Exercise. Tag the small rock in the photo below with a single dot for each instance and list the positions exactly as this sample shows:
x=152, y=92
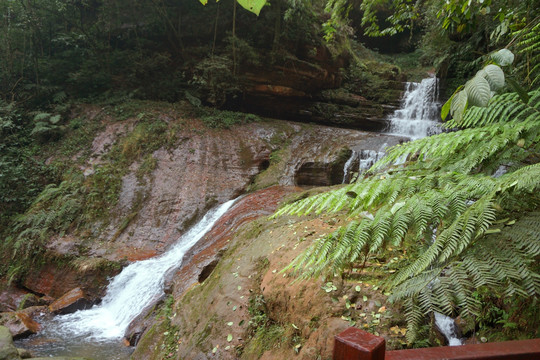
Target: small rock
x=29, y=300
x=70, y=302
x=24, y=354
x=370, y=306
x=30, y=324
x=13, y=298
x=46, y=300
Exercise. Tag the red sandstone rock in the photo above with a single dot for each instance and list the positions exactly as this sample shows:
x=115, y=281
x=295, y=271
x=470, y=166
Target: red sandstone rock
x=70, y=302
x=32, y=325
x=13, y=298
x=19, y=324
x=202, y=258
x=45, y=281
x=53, y=282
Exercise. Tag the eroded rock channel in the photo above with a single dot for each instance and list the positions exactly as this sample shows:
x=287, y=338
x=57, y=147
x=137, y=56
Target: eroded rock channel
x=161, y=195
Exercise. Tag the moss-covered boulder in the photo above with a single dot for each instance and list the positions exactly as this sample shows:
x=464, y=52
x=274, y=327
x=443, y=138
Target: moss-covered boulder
x=8, y=351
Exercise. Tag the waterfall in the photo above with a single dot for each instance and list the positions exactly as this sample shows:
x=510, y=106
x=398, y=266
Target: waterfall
x=362, y=160
x=447, y=327
x=419, y=112
x=368, y=158
x=136, y=287
x=348, y=167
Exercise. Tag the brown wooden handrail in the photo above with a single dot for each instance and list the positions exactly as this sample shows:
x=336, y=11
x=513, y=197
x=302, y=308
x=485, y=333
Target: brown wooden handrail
x=356, y=344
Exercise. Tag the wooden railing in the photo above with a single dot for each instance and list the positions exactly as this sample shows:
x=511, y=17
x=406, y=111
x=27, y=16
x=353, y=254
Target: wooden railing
x=356, y=344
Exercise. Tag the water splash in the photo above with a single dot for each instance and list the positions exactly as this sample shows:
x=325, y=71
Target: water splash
x=361, y=161
x=447, y=327
x=348, y=167
x=419, y=112
x=131, y=291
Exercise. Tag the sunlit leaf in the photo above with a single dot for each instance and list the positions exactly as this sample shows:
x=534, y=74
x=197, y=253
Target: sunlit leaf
x=254, y=6
x=494, y=75
x=478, y=91
x=503, y=57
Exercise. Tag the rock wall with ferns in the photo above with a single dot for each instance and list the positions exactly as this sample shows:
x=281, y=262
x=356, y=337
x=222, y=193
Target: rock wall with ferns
x=463, y=206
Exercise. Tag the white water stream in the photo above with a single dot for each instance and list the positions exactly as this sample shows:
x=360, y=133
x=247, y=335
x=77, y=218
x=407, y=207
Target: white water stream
x=447, y=327
x=419, y=112
x=360, y=161
x=136, y=287
x=416, y=119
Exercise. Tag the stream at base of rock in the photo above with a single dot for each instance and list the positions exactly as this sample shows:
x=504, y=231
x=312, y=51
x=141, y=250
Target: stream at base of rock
x=47, y=345
x=97, y=332
x=100, y=330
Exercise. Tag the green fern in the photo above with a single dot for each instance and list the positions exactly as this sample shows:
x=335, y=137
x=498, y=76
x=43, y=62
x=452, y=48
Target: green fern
x=501, y=261
x=501, y=133
x=437, y=198
x=53, y=211
x=528, y=48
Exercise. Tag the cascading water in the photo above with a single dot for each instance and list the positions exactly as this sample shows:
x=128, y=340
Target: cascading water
x=417, y=117
x=368, y=158
x=348, y=167
x=362, y=160
x=447, y=327
x=131, y=291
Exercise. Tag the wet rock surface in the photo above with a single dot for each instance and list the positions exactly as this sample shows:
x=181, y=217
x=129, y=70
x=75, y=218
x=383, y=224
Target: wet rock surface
x=143, y=321
x=245, y=279
x=202, y=259
x=20, y=324
x=205, y=167
x=13, y=298
x=70, y=302
x=54, y=281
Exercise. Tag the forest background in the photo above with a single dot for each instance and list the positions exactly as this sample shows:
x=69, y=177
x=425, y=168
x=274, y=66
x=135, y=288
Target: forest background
x=55, y=54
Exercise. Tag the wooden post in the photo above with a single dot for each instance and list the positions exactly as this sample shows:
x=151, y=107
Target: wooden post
x=356, y=344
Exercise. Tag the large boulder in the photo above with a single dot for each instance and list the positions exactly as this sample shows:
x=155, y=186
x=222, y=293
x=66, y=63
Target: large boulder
x=8, y=351
x=51, y=280
x=70, y=302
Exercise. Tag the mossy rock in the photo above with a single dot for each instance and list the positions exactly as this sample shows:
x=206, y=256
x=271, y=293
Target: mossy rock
x=8, y=351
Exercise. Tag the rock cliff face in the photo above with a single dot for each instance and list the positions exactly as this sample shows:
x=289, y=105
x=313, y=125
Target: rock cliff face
x=195, y=169
x=310, y=92
x=205, y=167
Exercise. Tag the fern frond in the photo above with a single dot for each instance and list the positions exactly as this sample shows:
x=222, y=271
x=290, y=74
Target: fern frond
x=528, y=49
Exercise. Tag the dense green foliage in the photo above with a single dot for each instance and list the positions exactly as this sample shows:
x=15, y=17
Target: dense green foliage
x=466, y=229
x=463, y=205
